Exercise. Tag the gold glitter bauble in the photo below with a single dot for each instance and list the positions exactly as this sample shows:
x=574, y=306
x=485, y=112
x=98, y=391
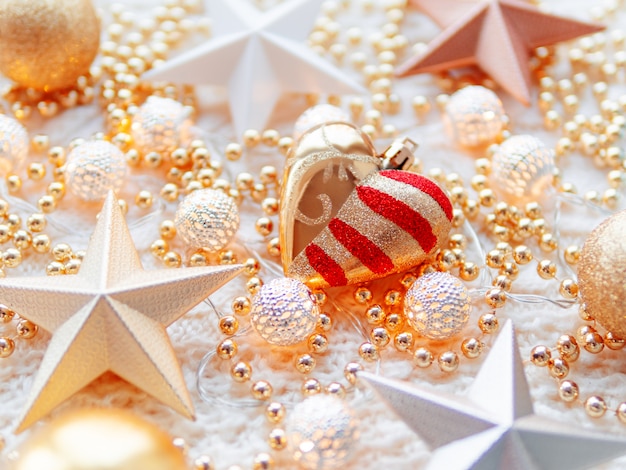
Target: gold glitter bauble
x=99, y=439
x=602, y=274
x=47, y=44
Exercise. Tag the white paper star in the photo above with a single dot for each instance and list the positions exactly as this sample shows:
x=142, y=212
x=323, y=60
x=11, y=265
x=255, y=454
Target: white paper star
x=258, y=57
x=111, y=316
x=494, y=427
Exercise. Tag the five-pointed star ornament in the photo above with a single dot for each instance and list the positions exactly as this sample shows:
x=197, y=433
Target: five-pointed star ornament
x=111, y=316
x=258, y=57
x=496, y=35
x=494, y=427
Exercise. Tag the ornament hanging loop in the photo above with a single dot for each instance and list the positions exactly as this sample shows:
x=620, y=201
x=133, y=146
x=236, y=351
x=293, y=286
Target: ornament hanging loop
x=399, y=155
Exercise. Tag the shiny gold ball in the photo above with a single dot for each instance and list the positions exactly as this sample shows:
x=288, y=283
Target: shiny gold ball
x=47, y=44
x=601, y=274
x=99, y=439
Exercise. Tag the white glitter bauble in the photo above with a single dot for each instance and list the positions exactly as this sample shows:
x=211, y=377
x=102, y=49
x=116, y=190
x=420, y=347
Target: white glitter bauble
x=160, y=125
x=437, y=305
x=523, y=166
x=284, y=312
x=474, y=116
x=94, y=168
x=13, y=144
x=317, y=115
x=207, y=218
x=321, y=432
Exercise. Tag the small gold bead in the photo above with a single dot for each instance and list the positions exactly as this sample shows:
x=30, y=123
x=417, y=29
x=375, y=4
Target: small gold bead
x=363, y=295
x=47, y=203
x=270, y=206
x=199, y=258
x=468, y=271
x=488, y=323
x=318, y=343
x=568, y=348
x=241, y=371
x=368, y=352
x=253, y=285
x=403, y=341
x=264, y=226
x=595, y=407
x=251, y=138
x=26, y=329
x=277, y=439
x=159, y=247
x=36, y=171
x=167, y=229
x=335, y=388
x=380, y=337
x=144, y=199
x=305, y=363
x=583, y=331
x=324, y=322
x=6, y=314
x=227, y=257
x=568, y=391
x=72, y=266
x=273, y=247
x=546, y=269
x=593, y=342
x=261, y=390
x=448, y=361
x=394, y=321
x=351, y=370
x=612, y=342
x=55, y=268
x=540, y=356
x=422, y=357
x=558, y=367
x=569, y=288
x=572, y=254
x=241, y=305
x=471, y=348
x=233, y=151
x=263, y=461
x=275, y=412
x=21, y=239
x=171, y=259
x=41, y=243
x=228, y=325
x=311, y=387
x=56, y=189
x=227, y=349
x=495, y=297
x=7, y=346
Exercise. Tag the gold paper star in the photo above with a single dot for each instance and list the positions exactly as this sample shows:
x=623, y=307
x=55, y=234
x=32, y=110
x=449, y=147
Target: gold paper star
x=496, y=35
x=494, y=427
x=111, y=316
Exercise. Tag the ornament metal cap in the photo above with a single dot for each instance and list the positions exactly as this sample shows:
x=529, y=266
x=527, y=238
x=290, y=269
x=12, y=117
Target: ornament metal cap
x=400, y=155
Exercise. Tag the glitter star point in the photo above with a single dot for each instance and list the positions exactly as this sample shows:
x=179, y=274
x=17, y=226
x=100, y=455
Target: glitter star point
x=494, y=427
x=496, y=35
x=111, y=316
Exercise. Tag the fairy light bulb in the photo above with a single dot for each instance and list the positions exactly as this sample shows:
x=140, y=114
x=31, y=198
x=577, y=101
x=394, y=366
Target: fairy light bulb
x=321, y=432
x=437, y=305
x=523, y=166
x=474, y=116
x=207, y=218
x=284, y=312
x=94, y=168
x=13, y=144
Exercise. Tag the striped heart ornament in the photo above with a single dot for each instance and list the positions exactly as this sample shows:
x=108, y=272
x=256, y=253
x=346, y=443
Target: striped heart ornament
x=393, y=221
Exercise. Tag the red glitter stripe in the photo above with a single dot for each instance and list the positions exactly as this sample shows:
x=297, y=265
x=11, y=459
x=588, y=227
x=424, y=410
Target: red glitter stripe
x=400, y=214
x=325, y=265
x=360, y=246
x=423, y=184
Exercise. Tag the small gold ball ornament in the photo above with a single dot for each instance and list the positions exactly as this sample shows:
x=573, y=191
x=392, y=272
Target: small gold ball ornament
x=100, y=439
x=601, y=274
x=47, y=44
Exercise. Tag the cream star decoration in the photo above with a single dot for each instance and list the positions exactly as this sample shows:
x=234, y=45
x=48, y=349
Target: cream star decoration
x=494, y=427
x=111, y=316
x=496, y=35
x=258, y=57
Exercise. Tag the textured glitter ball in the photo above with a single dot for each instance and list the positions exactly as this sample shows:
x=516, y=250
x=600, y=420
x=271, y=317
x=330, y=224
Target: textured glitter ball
x=284, y=312
x=207, y=218
x=94, y=168
x=317, y=115
x=13, y=144
x=523, y=166
x=437, y=305
x=321, y=432
x=474, y=116
x=160, y=125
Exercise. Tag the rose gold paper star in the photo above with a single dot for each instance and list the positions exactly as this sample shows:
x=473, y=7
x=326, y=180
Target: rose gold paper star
x=111, y=316
x=496, y=35
x=494, y=427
